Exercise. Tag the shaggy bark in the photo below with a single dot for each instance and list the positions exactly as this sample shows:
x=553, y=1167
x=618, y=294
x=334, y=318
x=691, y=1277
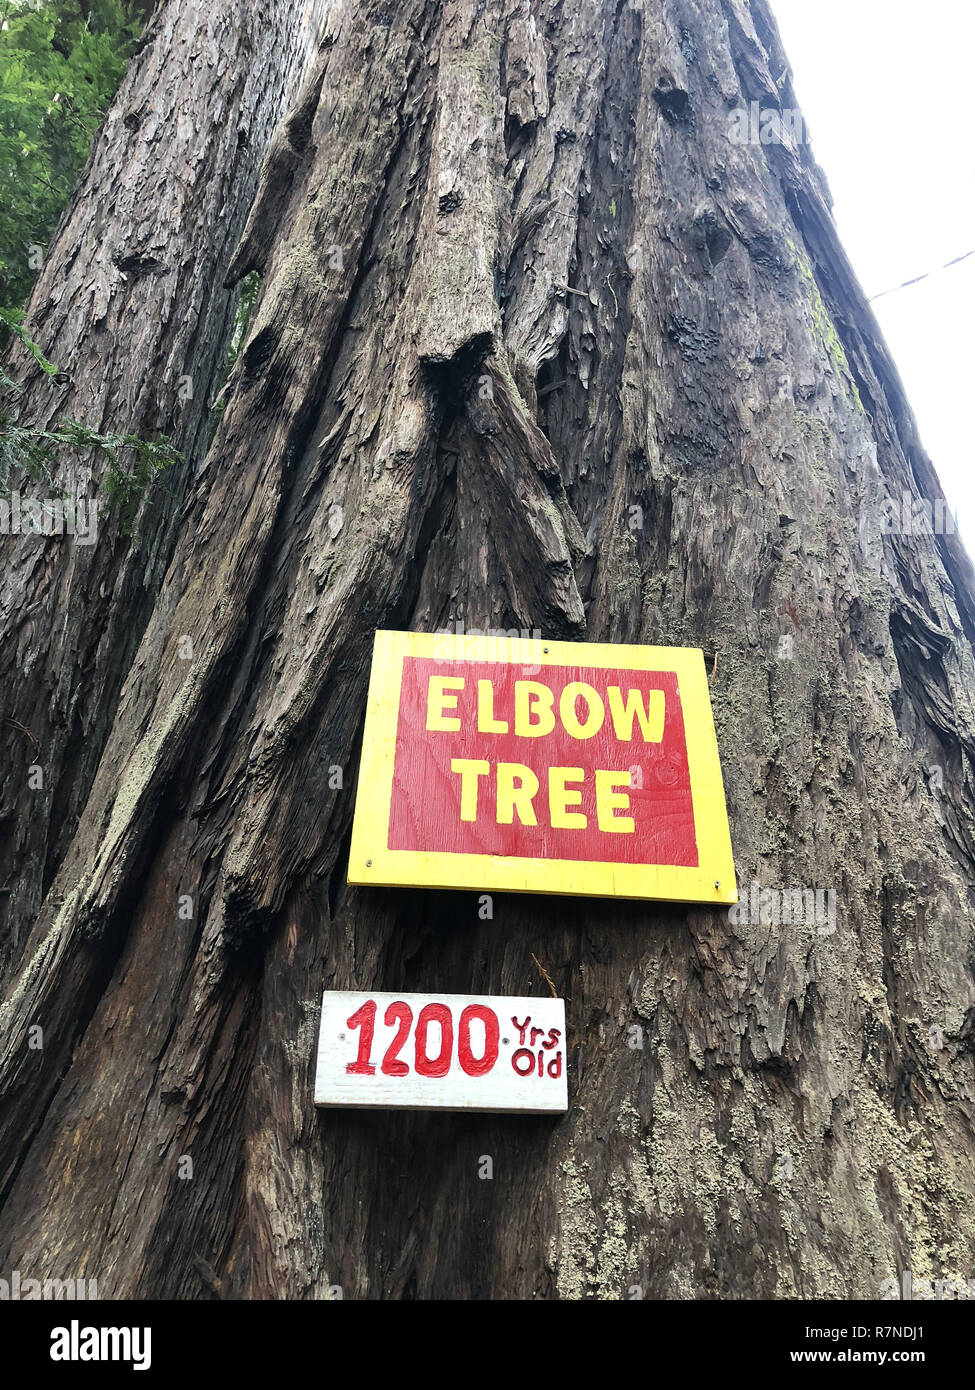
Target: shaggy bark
x=131, y=305
x=519, y=282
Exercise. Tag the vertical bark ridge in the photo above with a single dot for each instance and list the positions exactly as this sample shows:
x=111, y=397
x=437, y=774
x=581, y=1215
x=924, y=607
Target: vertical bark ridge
x=129, y=305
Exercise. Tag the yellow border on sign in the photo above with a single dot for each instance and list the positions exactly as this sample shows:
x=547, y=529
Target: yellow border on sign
x=372, y=862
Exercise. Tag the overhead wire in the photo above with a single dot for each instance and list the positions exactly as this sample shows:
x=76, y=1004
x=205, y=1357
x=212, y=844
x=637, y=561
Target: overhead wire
x=918, y=278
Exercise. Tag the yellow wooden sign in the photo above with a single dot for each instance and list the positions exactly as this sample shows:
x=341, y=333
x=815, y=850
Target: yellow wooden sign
x=541, y=767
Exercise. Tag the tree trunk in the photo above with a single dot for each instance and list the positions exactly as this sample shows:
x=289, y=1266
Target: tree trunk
x=132, y=307
x=540, y=347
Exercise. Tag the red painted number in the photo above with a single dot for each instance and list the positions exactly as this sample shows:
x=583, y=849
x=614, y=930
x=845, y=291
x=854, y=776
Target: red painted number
x=400, y=1015
x=478, y=1066
x=404, y=1014
x=439, y=1065
x=364, y=1018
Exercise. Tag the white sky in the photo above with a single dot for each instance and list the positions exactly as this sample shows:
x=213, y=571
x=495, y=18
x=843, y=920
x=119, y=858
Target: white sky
x=886, y=88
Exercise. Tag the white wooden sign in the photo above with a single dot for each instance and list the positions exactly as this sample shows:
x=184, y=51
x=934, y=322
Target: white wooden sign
x=442, y=1052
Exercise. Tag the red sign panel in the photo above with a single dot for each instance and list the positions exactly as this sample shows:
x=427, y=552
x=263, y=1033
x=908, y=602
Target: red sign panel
x=530, y=753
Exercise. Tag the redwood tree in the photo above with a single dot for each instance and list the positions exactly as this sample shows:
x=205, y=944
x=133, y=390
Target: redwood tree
x=539, y=346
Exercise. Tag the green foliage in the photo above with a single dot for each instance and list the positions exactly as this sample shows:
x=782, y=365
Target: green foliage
x=30, y=450
x=246, y=299
x=134, y=464
x=61, y=62
x=11, y=319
